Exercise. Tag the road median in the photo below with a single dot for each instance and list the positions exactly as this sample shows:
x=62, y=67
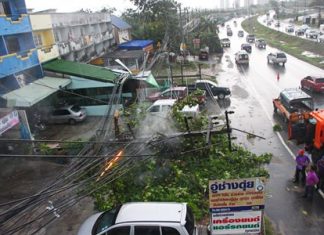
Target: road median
x=306, y=50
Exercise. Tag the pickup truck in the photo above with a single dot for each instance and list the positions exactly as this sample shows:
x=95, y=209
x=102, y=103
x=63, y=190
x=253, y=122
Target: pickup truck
x=211, y=88
x=277, y=58
x=291, y=103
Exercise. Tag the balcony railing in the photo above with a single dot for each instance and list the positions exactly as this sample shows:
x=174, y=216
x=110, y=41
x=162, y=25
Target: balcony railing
x=48, y=53
x=16, y=62
x=10, y=26
x=64, y=48
x=75, y=19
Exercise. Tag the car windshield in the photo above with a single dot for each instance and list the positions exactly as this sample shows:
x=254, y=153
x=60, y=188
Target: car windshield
x=281, y=55
x=75, y=108
x=105, y=220
x=320, y=80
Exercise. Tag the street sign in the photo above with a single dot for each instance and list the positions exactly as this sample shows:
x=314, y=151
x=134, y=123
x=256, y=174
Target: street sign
x=236, y=194
x=245, y=222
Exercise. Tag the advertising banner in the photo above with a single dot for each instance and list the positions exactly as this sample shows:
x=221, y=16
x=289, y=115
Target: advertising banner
x=236, y=222
x=236, y=194
x=9, y=121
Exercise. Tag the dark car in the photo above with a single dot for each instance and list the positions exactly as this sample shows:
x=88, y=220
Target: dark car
x=211, y=88
x=313, y=83
x=240, y=33
x=299, y=32
x=250, y=38
x=247, y=47
x=229, y=32
x=203, y=54
x=69, y=114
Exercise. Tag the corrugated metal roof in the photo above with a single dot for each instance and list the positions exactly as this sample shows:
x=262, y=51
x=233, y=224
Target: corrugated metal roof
x=135, y=44
x=81, y=70
x=119, y=23
x=34, y=92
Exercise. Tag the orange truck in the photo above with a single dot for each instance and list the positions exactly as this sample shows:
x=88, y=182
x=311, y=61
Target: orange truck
x=304, y=124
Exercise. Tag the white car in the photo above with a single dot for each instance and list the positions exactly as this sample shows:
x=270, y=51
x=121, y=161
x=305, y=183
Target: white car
x=242, y=57
x=142, y=218
x=310, y=33
x=320, y=39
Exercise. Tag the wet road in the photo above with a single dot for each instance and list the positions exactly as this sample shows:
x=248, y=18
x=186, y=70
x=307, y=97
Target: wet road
x=253, y=89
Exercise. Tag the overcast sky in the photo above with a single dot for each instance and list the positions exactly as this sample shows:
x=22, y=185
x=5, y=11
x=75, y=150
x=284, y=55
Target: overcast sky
x=120, y=5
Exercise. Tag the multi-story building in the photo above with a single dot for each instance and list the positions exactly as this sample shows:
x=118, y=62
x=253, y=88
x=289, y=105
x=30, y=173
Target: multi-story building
x=122, y=30
x=82, y=36
x=44, y=37
x=19, y=64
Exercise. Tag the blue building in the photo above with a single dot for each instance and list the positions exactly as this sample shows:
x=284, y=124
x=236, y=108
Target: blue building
x=19, y=64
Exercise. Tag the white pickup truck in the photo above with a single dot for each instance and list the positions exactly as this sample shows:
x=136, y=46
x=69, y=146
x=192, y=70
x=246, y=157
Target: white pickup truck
x=277, y=58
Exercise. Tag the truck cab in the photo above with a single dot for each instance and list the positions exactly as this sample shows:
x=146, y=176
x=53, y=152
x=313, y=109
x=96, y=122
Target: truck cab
x=293, y=102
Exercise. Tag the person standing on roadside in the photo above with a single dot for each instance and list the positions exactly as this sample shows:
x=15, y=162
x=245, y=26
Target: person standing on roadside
x=302, y=161
x=320, y=173
x=311, y=181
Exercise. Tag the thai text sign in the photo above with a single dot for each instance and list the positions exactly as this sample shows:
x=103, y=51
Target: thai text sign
x=9, y=121
x=236, y=222
x=236, y=195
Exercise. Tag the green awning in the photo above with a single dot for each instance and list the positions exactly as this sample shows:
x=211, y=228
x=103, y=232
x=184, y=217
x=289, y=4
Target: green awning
x=81, y=70
x=34, y=92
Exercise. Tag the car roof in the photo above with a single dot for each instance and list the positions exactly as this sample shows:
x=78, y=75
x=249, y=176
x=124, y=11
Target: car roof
x=207, y=81
x=165, y=102
x=242, y=52
x=152, y=212
x=294, y=93
x=177, y=88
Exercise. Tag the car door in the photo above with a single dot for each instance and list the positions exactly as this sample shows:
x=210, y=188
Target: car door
x=308, y=83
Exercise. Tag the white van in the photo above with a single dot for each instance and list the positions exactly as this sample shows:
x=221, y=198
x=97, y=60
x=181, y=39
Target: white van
x=161, y=107
x=138, y=218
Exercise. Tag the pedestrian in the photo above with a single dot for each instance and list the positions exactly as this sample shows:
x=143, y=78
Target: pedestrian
x=311, y=181
x=302, y=161
x=320, y=173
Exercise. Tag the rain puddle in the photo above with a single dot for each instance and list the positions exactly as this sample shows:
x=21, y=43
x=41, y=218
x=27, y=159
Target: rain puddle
x=311, y=55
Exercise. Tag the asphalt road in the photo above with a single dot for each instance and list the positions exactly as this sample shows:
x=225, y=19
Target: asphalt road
x=253, y=89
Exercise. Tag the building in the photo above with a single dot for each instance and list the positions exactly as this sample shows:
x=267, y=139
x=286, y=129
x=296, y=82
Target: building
x=122, y=30
x=44, y=37
x=82, y=36
x=19, y=64
x=222, y=4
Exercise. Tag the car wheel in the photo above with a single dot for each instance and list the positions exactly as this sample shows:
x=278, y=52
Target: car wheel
x=283, y=64
x=221, y=96
x=72, y=121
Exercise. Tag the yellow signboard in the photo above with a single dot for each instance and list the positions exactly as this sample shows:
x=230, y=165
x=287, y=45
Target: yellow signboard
x=236, y=194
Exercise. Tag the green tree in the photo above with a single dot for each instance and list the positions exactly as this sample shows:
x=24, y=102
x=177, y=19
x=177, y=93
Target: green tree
x=181, y=171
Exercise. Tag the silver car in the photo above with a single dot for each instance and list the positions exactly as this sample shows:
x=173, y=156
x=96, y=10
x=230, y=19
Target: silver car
x=69, y=114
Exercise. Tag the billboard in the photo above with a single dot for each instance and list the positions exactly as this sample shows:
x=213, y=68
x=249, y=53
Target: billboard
x=236, y=194
x=236, y=222
x=9, y=121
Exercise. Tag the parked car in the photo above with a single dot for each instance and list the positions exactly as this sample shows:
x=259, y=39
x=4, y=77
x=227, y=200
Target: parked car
x=240, y=33
x=289, y=29
x=247, y=47
x=304, y=27
x=277, y=58
x=320, y=39
x=142, y=218
x=299, y=32
x=313, y=83
x=311, y=33
x=260, y=43
x=161, y=107
x=277, y=24
x=69, y=114
x=211, y=88
x=241, y=57
x=268, y=23
x=179, y=92
x=225, y=42
x=250, y=38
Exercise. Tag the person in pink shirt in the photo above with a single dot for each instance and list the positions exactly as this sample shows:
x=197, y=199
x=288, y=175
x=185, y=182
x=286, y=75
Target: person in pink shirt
x=311, y=181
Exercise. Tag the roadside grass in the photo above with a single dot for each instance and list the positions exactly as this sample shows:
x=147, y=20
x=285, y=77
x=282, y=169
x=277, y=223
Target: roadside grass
x=292, y=45
x=269, y=229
